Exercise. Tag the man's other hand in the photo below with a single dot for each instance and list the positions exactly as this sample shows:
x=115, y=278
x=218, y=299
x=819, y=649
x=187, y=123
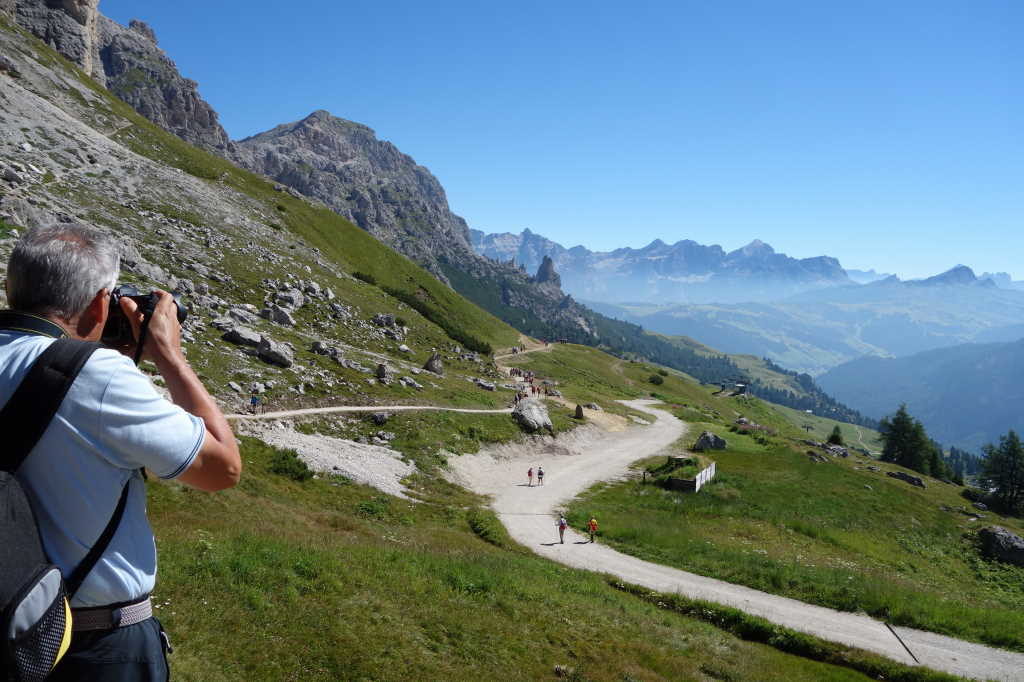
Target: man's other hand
x=163, y=336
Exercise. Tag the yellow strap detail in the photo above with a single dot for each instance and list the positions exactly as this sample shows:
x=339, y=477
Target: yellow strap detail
x=66, y=640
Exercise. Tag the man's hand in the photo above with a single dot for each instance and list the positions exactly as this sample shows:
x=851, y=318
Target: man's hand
x=218, y=464
x=162, y=344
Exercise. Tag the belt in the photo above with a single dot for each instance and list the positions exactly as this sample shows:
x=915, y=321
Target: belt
x=111, y=617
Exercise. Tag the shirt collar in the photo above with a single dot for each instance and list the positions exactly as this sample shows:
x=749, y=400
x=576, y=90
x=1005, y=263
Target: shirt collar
x=11, y=320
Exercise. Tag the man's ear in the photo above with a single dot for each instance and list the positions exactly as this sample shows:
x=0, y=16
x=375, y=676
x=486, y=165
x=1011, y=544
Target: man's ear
x=94, y=317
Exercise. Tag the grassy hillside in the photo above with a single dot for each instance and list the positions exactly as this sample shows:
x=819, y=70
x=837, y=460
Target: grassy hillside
x=327, y=580
x=834, y=533
x=857, y=437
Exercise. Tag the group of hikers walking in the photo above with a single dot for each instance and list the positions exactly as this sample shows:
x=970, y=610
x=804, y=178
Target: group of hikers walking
x=530, y=389
x=563, y=524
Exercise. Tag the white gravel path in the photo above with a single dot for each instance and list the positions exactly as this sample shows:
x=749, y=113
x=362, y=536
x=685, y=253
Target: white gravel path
x=574, y=463
x=372, y=465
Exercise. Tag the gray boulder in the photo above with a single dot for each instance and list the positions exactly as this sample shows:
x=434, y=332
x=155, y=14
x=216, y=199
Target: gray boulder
x=383, y=373
x=1002, y=545
x=242, y=315
x=276, y=313
x=410, y=382
x=243, y=336
x=275, y=353
x=593, y=406
x=486, y=385
x=709, y=441
x=907, y=478
x=435, y=365
x=292, y=298
x=12, y=175
x=380, y=418
x=383, y=320
x=8, y=66
x=532, y=415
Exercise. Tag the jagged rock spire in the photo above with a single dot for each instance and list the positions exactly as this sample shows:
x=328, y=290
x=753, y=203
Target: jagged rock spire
x=546, y=273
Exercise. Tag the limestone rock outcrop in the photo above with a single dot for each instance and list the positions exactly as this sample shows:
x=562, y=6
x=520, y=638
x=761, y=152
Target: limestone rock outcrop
x=127, y=60
x=69, y=26
x=435, y=365
x=532, y=415
x=546, y=273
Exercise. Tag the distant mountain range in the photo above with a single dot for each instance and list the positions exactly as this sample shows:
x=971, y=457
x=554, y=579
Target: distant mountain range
x=682, y=272
x=966, y=395
x=820, y=329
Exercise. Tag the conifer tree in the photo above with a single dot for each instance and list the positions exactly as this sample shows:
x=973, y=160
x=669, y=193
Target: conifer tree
x=1003, y=472
x=906, y=442
x=836, y=437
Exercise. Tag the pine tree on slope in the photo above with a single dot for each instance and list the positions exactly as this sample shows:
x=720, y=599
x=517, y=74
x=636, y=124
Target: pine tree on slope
x=1003, y=472
x=906, y=442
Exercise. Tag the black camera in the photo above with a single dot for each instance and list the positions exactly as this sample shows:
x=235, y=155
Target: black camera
x=117, y=333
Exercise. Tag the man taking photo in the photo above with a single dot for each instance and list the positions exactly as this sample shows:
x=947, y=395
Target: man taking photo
x=111, y=425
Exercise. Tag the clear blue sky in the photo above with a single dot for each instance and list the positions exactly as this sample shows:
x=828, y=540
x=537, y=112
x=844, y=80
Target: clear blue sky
x=885, y=133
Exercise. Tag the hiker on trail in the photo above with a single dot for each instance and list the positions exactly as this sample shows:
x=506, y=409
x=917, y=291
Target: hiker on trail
x=254, y=403
x=83, y=476
x=540, y=476
x=592, y=527
x=529, y=475
x=562, y=525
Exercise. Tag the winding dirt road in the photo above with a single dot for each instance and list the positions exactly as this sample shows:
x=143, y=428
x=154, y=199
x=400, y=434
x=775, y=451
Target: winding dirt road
x=528, y=514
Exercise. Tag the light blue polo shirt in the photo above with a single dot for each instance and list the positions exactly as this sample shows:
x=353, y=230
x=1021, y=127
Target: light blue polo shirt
x=111, y=424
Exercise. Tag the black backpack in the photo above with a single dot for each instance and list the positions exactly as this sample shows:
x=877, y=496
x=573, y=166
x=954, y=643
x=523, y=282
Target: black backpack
x=35, y=616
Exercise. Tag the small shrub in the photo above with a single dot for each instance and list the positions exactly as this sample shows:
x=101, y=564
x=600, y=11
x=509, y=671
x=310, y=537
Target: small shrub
x=377, y=508
x=656, y=379
x=365, y=277
x=287, y=463
x=488, y=528
x=663, y=372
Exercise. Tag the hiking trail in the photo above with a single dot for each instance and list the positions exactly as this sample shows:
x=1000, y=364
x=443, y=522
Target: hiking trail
x=529, y=514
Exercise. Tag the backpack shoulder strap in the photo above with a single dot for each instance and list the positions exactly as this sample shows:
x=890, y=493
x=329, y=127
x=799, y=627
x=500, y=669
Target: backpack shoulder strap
x=30, y=409
x=29, y=412
x=77, y=577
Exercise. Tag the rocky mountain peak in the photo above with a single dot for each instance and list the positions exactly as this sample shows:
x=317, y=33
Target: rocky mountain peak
x=961, y=274
x=129, y=63
x=143, y=28
x=756, y=248
x=546, y=274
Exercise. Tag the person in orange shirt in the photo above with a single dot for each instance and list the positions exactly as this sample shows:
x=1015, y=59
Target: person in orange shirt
x=592, y=527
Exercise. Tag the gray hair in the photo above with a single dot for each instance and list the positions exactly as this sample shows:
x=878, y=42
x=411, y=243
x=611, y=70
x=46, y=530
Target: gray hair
x=58, y=269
